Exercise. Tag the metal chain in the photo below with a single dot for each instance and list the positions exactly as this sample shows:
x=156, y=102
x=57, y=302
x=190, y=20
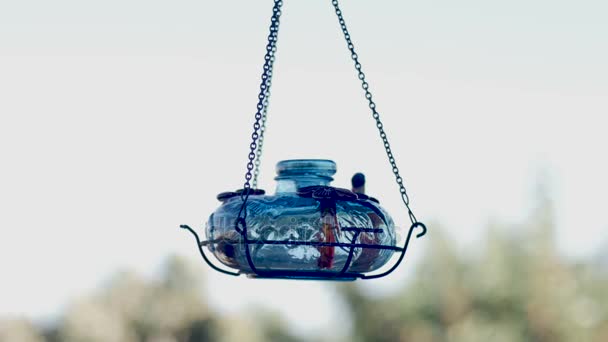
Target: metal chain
x=262, y=103
x=375, y=114
x=258, y=152
x=262, y=107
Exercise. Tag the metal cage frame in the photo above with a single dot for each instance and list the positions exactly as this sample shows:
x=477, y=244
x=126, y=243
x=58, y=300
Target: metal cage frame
x=341, y=275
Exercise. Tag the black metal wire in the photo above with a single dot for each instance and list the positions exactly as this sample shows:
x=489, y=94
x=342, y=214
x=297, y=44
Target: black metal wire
x=200, y=248
x=351, y=253
x=407, y=242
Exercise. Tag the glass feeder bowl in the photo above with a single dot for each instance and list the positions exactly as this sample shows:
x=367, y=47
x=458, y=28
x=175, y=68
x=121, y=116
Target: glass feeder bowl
x=306, y=229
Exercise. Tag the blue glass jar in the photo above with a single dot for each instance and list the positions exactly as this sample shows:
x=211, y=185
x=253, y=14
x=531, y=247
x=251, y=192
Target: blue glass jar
x=306, y=226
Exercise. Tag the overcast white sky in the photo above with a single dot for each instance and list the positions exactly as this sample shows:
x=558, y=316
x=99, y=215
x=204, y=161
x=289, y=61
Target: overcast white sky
x=120, y=120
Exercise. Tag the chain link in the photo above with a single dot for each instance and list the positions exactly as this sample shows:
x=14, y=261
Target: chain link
x=258, y=152
x=375, y=114
x=262, y=98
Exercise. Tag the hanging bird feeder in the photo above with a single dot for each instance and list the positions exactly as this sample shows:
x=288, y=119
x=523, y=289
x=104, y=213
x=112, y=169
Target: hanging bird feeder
x=307, y=229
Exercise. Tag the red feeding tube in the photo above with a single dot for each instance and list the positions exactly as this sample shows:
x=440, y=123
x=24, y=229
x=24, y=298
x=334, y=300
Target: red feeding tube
x=329, y=222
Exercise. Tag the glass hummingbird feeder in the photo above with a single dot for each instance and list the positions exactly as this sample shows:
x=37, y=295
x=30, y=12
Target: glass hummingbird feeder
x=307, y=229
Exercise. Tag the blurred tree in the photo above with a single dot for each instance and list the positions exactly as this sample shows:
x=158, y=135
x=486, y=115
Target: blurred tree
x=132, y=308
x=514, y=288
x=18, y=330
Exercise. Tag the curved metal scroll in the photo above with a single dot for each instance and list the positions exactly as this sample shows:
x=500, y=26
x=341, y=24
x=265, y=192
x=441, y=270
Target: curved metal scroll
x=407, y=241
x=200, y=248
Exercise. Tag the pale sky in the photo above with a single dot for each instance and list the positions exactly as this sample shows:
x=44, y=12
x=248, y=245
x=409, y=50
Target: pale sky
x=120, y=120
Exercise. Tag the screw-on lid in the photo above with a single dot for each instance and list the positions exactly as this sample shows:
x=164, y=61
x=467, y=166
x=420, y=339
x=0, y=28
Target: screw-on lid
x=306, y=167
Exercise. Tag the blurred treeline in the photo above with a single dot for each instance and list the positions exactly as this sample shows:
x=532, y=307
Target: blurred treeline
x=511, y=286
x=131, y=308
